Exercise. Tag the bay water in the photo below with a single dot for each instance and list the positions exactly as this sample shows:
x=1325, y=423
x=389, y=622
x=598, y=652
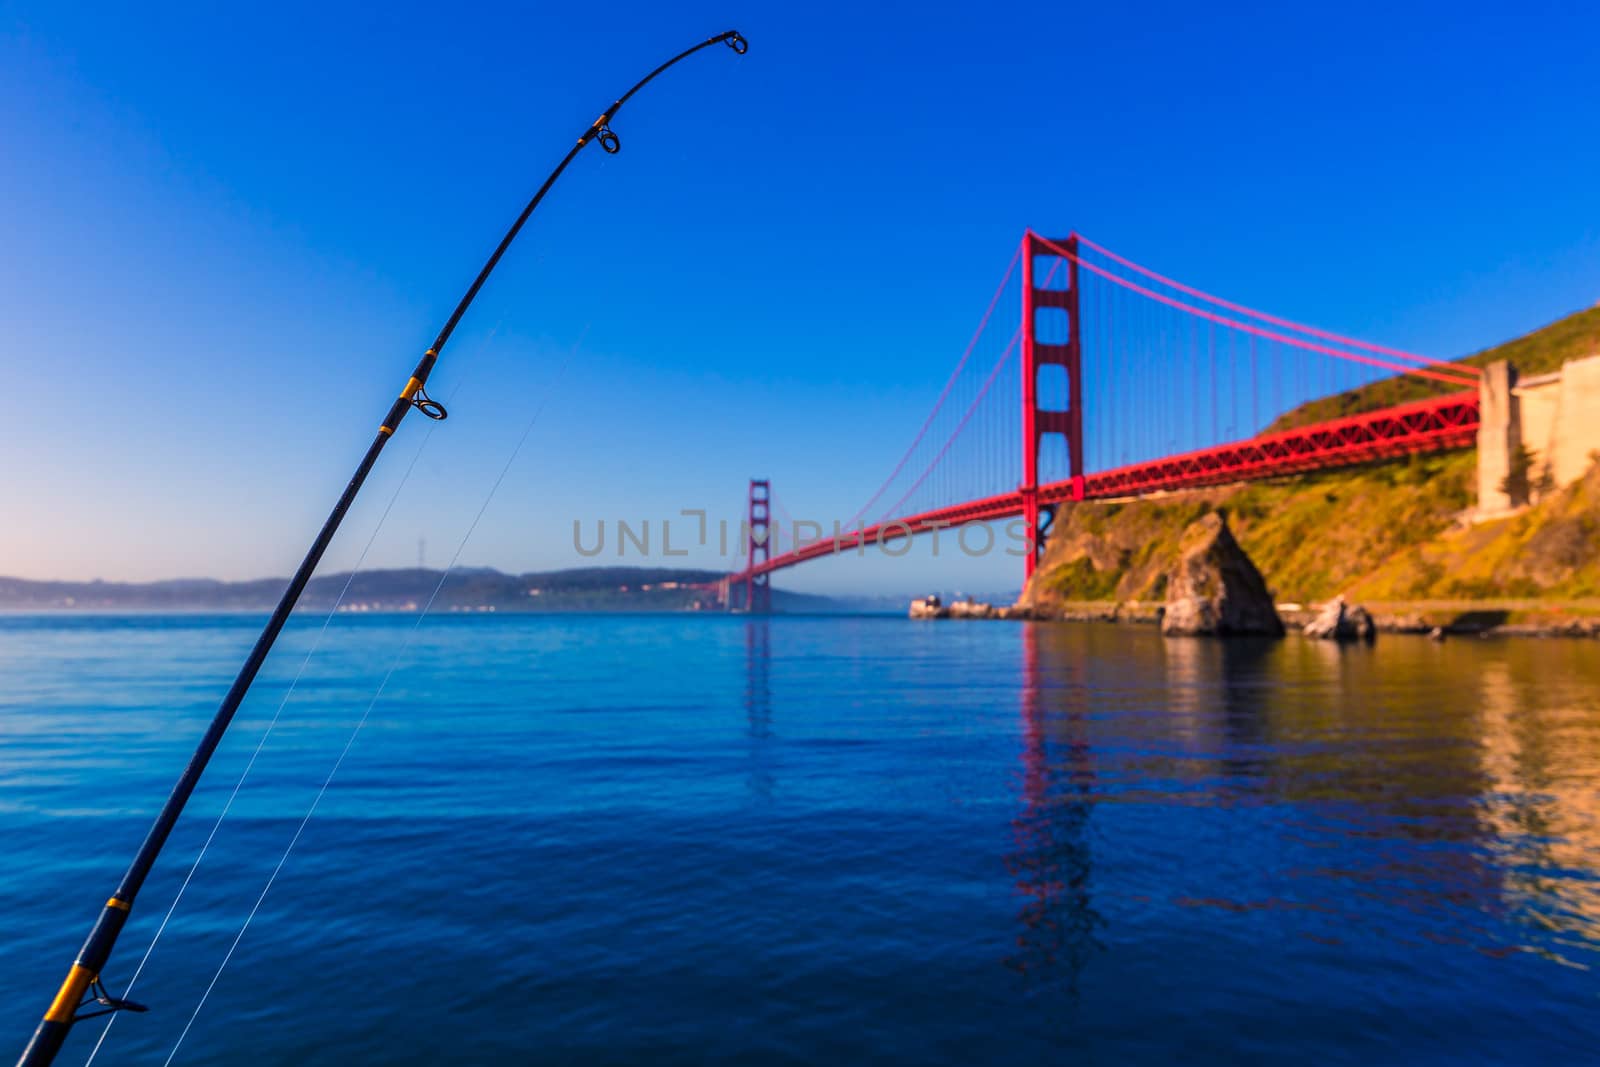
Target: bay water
x=719, y=839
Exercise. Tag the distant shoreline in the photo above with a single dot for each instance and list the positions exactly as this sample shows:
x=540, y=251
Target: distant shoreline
x=405, y=591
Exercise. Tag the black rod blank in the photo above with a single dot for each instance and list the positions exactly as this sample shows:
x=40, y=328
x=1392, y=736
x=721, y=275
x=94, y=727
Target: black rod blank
x=84, y=976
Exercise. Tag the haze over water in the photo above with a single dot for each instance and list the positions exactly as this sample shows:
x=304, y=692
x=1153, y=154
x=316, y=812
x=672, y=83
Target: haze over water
x=685, y=839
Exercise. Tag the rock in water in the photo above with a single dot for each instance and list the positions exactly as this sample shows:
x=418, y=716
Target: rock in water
x=1215, y=589
x=1339, y=621
x=1360, y=620
x=971, y=609
x=930, y=607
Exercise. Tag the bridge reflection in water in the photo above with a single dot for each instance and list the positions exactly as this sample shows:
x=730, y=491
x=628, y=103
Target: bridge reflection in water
x=1051, y=858
x=1374, y=801
x=1101, y=836
x=758, y=703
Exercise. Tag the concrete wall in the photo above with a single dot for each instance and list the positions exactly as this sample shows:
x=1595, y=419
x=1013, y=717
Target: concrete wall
x=1557, y=416
x=1499, y=435
x=1538, y=403
x=1578, y=424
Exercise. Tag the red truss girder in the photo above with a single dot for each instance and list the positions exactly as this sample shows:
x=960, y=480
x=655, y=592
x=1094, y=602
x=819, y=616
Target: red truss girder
x=1423, y=426
x=994, y=507
x=1433, y=425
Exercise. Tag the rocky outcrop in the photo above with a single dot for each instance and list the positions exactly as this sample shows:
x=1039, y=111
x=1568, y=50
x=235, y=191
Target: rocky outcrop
x=931, y=607
x=973, y=609
x=1215, y=589
x=1341, y=621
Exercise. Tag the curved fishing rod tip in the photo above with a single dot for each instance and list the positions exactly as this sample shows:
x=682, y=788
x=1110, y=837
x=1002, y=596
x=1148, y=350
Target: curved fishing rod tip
x=735, y=40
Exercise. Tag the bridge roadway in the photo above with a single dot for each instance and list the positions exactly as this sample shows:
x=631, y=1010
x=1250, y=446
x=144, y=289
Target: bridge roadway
x=1432, y=425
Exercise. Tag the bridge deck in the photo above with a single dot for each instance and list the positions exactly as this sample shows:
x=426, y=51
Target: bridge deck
x=1432, y=425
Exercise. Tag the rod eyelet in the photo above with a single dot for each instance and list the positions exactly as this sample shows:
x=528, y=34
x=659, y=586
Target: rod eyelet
x=428, y=405
x=608, y=140
x=736, y=41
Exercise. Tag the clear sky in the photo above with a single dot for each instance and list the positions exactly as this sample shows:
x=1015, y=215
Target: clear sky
x=225, y=234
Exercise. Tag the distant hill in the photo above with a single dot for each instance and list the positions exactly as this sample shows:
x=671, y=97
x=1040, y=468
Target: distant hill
x=467, y=589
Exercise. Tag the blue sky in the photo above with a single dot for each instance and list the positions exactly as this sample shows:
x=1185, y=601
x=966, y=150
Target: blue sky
x=227, y=235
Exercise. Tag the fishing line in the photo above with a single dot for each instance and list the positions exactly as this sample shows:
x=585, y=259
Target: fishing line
x=376, y=696
x=82, y=983
x=276, y=715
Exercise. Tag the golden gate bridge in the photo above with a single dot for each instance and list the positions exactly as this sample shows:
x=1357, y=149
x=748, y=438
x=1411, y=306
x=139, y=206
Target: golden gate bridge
x=1130, y=384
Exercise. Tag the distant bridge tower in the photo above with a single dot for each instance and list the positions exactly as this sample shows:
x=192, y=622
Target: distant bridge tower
x=1063, y=349
x=758, y=527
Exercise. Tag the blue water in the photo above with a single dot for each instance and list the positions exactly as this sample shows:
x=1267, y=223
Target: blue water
x=815, y=840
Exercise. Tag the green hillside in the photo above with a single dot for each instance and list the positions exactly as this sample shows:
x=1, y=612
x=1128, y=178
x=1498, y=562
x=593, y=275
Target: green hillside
x=1397, y=532
x=1312, y=537
x=1391, y=532
x=1543, y=350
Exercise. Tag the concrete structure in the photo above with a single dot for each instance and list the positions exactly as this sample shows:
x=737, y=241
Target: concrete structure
x=1556, y=417
x=1499, y=437
x=1561, y=418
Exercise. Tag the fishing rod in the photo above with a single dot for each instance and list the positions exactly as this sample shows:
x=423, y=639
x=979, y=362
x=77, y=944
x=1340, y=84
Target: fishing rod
x=82, y=987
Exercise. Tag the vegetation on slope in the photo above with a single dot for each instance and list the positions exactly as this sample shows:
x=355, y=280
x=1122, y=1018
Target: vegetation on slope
x=1395, y=532
x=1539, y=352
x=1399, y=531
x=1549, y=550
x=1312, y=537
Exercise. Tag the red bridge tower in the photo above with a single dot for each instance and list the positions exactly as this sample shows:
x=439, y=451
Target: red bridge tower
x=1065, y=350
x=758, y=527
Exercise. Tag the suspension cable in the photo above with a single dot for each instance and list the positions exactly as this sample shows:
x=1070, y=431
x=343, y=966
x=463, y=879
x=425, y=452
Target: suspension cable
x=1326, y=335
x=1456, y=375
x=1005, y=357
x=944, y=394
